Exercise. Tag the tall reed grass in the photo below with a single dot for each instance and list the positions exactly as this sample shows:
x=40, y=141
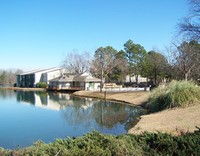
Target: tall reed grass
x=174, y=94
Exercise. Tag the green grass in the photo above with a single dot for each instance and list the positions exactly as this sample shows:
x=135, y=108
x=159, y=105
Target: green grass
x=174, y=94
x=95, y=143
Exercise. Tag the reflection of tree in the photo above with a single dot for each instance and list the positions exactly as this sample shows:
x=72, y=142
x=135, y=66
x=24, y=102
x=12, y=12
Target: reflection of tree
x=134, y=117
x=80, y=112
x=106, y=114
x=4, y=93
x=75, y=116
x=109, y=114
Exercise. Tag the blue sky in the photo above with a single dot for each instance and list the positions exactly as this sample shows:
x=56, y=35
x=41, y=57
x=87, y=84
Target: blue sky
x=40, y=33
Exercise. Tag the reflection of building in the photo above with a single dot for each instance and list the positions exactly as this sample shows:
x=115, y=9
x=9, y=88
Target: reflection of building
x=75, y=82
x=47, y=103
x=29, y=79
x=44, y=100
x=87, y=104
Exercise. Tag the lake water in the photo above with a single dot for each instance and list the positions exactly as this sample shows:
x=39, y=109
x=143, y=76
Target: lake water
x=26, y=117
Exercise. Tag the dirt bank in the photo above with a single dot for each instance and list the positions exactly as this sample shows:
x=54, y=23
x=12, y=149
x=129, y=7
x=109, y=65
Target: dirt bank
x=174, y=121
x=134, y=98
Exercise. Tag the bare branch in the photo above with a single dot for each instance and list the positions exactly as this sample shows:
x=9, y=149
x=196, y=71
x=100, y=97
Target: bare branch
x=77, y=63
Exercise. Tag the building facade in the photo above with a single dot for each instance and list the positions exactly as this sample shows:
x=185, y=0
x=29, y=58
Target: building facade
x=31, y=78
x=75, y=82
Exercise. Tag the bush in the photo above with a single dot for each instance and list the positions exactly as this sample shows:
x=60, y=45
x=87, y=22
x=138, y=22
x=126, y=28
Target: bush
x=165, y=144
x=174, y=94
x=41, y=85
x=95, y=143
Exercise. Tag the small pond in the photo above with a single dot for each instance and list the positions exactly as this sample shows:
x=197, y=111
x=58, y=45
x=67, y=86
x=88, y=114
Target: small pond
x=27, y=116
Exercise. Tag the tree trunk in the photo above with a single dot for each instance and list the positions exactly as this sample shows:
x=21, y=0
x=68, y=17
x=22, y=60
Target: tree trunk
x=186, y=76
x=130, y=78
x=136, y=78
x=155, y=76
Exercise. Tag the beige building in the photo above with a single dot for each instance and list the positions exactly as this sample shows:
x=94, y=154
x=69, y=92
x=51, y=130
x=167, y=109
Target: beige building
x=75, y=82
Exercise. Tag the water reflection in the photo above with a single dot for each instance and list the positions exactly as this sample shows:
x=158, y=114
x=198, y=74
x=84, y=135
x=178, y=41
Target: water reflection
x=81, y=110
x=57, y=115
x=106, y=114
x=5, y=94
x=53, y=101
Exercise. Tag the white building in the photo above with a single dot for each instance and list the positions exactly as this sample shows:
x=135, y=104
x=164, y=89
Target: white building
x=31, y=78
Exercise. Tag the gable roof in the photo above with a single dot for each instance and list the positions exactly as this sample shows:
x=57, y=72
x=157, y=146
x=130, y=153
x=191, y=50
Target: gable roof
x=40, y=70
x=75, y=78
x=86, y=78
x=64, y=78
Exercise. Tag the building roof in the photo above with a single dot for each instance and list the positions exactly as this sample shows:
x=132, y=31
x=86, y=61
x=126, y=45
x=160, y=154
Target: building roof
x=86, y=78
x=40, y=70
x=73, y=77
x=64, y=78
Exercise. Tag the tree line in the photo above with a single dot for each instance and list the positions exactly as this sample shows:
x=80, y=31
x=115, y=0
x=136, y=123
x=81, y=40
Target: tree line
x=182, y=63
x=8, y=77
x=115, y=65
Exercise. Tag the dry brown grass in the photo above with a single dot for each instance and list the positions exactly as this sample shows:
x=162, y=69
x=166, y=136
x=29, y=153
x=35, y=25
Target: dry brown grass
x=134, y=98
x=174, y=121
x=25, y=89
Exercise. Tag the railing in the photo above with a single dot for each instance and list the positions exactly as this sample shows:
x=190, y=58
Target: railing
x=64, y=88
x=107, y=89
x=126, y=89
x=130, y=89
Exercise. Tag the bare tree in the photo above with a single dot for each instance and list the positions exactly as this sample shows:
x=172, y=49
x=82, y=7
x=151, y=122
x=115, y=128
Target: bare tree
x=77, y=62
x=8, y=77
x=187, y=58
x=190, y=26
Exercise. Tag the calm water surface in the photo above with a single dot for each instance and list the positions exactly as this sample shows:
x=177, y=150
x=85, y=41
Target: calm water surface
x=26, y=117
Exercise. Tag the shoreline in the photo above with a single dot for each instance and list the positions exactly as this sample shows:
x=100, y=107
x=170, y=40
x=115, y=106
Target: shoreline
x=173, y=121
x=138, y=98
x=24, y=89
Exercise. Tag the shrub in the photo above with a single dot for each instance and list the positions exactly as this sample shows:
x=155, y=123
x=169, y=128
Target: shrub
x=41, y=85
x=95, y=143
x=165, y=144
x=174, y=94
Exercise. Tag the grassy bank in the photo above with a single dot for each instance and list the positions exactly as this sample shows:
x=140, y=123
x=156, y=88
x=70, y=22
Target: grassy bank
x=95, y=143
x=174, y=94
x=176, y=108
